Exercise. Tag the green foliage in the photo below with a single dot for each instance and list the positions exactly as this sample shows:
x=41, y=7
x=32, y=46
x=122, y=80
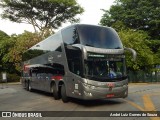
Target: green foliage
x=3, y=36
x=138, y=41
x=135, y=14
x=130, y=18
x=5, y=43
x=22, y=43
x=3, y=40
x=12, y=48
x=13, y=77
x=155, y=47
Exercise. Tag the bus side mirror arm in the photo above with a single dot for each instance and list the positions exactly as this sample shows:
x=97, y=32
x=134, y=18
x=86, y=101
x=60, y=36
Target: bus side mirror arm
x=84, y=53
x=134, y=53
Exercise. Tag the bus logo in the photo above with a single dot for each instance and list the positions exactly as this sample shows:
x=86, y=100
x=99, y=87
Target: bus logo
x=50, y=58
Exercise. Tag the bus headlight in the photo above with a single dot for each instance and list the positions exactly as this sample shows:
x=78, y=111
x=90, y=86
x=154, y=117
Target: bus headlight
x=88, y=86
x=92, y=87
x=85, y=81
x=124, y=86
x=88, y=94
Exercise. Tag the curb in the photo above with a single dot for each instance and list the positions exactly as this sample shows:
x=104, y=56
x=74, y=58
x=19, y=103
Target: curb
x=144, y=83
x=12, y=83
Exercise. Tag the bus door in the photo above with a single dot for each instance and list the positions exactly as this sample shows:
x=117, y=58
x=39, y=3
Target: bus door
x=74, y=58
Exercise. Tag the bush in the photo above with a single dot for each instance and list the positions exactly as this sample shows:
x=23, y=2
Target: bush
x=11, y=78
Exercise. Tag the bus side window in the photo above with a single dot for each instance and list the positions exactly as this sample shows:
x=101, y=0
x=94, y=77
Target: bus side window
x=30, y=73
x=38, y=75
x=33, y=74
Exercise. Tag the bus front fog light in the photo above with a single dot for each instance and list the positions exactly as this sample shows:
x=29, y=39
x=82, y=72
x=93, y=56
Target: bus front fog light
x=86, y=93
x=90, y=94
x=124, y=85
x=92, y=87
x=88, y=86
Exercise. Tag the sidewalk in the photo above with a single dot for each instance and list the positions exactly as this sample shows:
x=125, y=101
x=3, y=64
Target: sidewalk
x=5, y=87
x=12, y=83
x=4, y=90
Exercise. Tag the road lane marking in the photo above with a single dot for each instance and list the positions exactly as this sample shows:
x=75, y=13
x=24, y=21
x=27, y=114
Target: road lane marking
x=148, y=105
x=134, y=105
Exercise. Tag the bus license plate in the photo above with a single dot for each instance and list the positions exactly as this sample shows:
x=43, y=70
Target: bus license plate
x=110, y=95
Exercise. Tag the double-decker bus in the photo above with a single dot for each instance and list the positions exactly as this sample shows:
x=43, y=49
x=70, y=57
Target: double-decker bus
x=80, y=61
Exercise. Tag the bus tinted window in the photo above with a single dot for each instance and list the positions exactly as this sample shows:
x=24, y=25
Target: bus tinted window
x=74, y=57
x=52, y=43
x=45, y=70
x=99, y=37
x=70, y=36
x=29, y=54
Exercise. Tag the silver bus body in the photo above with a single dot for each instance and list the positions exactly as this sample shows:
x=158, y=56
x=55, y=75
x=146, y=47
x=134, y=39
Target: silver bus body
x=87, y=60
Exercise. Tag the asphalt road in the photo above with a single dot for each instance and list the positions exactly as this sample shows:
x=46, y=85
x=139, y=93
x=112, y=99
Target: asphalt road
x=142, y=97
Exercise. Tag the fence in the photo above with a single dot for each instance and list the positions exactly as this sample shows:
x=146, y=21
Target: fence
x=141, y=76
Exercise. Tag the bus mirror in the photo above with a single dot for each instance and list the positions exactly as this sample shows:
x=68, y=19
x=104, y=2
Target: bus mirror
x=71, y=47
x=133, y=53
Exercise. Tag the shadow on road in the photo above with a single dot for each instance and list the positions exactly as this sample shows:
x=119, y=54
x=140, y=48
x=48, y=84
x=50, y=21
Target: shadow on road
x=91, y=103
x=86, y=103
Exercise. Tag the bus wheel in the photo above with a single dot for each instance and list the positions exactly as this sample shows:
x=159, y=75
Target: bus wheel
x=65, y=99
x=55, y=92
x=29, y=87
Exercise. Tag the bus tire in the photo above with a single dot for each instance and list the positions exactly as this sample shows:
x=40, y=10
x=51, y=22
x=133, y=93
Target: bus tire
x=65, y=99
x=55, y=92
x=29, y=87
x=25, y=84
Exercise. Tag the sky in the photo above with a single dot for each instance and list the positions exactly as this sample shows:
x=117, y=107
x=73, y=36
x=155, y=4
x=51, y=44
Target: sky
x=92, y=15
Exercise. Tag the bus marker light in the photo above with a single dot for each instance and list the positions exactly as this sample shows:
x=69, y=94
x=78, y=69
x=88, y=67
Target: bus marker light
x=58, y=77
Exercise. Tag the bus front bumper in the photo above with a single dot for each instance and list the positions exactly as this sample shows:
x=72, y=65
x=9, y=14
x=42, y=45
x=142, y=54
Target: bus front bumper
x=105, y=93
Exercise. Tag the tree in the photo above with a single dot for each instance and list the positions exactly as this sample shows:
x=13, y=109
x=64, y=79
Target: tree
x=44, y=15
x=135, y=14
x=22, y=42
x=12, y=48
x=138, y=41
x=3, y=39
x=3, y=36
x=5, y=44
x=155, y=47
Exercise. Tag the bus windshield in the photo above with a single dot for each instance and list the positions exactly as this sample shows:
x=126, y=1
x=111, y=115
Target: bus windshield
x=99, y=37
x=105, y=69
